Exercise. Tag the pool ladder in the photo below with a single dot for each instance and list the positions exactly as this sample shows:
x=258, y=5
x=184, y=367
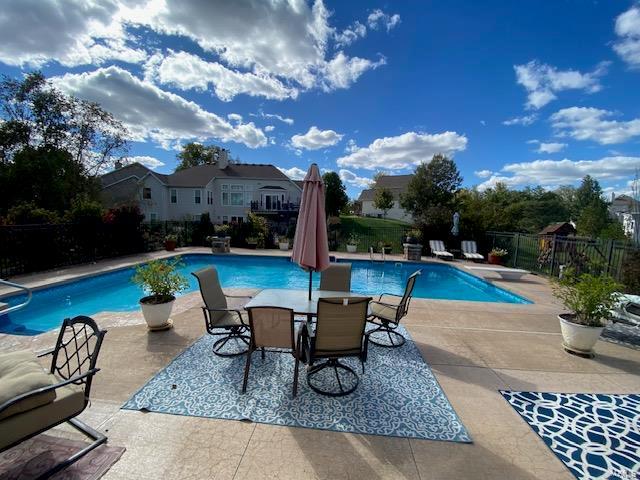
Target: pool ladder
x=6, y=311
x=382, y=257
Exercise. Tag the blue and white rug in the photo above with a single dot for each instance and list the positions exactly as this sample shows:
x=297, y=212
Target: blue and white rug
x=622, y=333
x=397, y=396
x=597, y=436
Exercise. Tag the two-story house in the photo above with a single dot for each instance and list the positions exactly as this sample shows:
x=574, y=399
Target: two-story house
x=397, y=184
x=227, y=191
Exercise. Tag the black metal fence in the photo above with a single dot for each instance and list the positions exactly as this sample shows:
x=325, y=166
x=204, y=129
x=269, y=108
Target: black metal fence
x=548, y=254
x=375, y=237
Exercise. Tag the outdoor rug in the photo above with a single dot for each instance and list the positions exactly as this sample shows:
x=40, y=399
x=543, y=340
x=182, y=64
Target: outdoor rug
x=37, y=455
x=397, y=396
x=621, y=333
x=597, y=436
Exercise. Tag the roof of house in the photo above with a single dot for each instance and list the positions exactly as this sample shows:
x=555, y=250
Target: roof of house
x=198, y=176
x=559, y=227
x=396, y=183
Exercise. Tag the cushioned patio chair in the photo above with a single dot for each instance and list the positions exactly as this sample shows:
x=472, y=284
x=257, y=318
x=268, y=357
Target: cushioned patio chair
x=438, y=250
x=33, y=400
x=339, y=333
x=336, y=278
x=231, y=324
x=386, y=316
x=470, y=251
x=273, y=330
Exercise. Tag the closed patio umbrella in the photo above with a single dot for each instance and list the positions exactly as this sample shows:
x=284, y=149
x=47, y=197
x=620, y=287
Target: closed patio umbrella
x=310, y=245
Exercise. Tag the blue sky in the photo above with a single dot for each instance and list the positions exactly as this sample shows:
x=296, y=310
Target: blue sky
x=527, y=92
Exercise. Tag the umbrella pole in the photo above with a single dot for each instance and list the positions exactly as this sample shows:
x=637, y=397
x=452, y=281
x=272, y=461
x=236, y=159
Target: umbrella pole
x=310, y=280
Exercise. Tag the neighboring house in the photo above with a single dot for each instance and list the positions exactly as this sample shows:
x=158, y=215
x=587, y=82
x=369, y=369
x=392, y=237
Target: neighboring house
x=227, y=191
x=627, y=210
x=561, y=229
x=398, y=185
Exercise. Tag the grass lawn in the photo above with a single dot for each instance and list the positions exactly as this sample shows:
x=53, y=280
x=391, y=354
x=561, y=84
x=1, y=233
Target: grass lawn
x=370, y=222
x=372, y=231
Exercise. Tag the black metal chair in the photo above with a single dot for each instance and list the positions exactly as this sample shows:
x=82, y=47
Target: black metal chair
x=386, y=316
x=339, y=333
x=64, y=391
x=220, y=320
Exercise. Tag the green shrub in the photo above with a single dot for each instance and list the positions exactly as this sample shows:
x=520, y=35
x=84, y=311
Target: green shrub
x=631, y=273
x=160, y=278
x=28, y=213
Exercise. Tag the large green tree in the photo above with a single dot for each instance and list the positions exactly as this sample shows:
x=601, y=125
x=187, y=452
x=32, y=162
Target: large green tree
x=383, y=200
x=335, y=194
x=194, y=154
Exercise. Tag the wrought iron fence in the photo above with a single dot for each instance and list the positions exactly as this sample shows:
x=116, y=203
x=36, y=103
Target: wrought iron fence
x=368, y=237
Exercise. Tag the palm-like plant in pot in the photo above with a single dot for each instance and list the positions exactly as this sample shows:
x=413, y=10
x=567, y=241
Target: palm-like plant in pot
x=589, y=299
x=161, y=280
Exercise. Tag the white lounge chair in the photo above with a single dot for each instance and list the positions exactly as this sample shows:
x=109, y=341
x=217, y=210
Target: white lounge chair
x=470, y=250
x=438, y=250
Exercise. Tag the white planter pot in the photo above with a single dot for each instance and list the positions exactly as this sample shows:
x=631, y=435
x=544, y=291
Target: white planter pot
x=352, y=248
x=283, y=245
x=157, y=315
x=578, y=338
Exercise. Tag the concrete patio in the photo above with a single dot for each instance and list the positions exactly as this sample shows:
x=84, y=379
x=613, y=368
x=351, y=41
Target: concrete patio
x=474, y=349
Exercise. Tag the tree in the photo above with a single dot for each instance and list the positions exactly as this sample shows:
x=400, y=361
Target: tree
x=593, y=219
x=383, y=200
x=335, y=194
x=431, y=191
x=588, y=193
x=194, y=154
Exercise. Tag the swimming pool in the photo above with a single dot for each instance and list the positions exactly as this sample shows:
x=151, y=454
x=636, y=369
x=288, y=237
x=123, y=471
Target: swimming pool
x=114, y=291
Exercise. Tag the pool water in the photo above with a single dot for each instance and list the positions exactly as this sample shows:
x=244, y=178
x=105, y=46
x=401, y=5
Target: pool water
x=114, y=291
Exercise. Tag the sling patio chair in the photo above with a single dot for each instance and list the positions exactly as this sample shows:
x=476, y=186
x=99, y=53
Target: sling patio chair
x=336, y=278
x=339, y=333
x=470, y=251
x=273, y=330
x=386, y=316
x=220, y=320
x=33, y=400
x=438, y=250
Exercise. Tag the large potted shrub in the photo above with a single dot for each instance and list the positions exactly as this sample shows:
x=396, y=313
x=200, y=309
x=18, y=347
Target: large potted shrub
x=589, y=299
x=161, y=280
x=170, y=242
x=497, y=256
x=414, y=236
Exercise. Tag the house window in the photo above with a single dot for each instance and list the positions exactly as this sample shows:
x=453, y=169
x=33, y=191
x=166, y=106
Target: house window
x=195, y=218
x=197, y=195
x=153, y=217
x=233, y=195
x=146, y=193
x=209, y=197
x=174, y=195
x=237, y=219
x=225, y=219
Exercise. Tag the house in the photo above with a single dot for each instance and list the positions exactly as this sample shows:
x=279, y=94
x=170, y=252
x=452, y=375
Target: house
x=397, y=184
x=561, y=229
x=226, y=191
x=627, y=210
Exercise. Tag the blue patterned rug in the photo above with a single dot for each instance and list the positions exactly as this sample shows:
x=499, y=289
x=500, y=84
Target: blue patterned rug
x=622, y=333
x=398, y=395
x=597, y=436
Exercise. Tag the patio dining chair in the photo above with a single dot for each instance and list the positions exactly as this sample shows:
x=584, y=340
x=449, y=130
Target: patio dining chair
x=273, y=330
x=33, y=400
x=386, y=316
x=336, y=278
x=339, y=333
x=220, y=320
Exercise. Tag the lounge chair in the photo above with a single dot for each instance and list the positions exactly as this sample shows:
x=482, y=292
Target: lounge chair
x=339, y=333
x=273, y=330
x=336, y=278
x=438, y=250
x=220, y=320
x=470, y=251
x=33, y=400
x=386, y=316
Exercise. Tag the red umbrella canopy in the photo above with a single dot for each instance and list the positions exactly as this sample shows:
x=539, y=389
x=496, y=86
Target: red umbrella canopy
x=310, y=245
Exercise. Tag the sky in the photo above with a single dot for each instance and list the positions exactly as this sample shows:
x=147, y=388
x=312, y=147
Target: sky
x=526, y=93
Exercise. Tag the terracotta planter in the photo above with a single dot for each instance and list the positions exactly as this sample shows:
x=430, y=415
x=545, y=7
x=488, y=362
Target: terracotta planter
x=156, y=313
x=170, y=245
x=578, y=338
x=495, y=259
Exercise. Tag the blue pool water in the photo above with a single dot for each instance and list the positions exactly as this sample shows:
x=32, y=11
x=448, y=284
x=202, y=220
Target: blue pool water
x=114, y=292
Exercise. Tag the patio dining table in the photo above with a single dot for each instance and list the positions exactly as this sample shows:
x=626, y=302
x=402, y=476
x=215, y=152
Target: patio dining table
x=297, y=300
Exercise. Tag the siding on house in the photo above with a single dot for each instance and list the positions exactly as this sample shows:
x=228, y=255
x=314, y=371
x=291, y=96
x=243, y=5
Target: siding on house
x=397, y=184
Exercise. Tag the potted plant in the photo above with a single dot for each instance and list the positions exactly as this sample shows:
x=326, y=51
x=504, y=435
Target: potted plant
x=221, y=231
x=252, y=243
x=496, y=256
x=170, y=242
x=385, y=247
x=283, y=243
x=352, y=243
x=162, y=281
x=414, y=236
x=590, y=300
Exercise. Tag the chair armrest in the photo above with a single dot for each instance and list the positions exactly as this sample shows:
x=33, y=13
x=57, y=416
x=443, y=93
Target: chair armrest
x=50, y=388
x=46, y=352
x=239, y=296
x=390, y=295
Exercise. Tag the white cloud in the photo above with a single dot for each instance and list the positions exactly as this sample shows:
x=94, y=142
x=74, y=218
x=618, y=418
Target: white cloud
x=269, y=128
x=551, y=147
x=261, y=114
x=350, y=34
x=524, y=120
x=146, y=160
x=154, y=114
x=403, y=151
x=583, y=123
x=378, y=17
x=562, y=172
x=628, y=31
x=351, y=178
x=483, y=173
x=351, y=146
x=187, y=71
x=342, y=70
x=294, y=173
x=235, y=117
x=315, y=139
x=542, y=81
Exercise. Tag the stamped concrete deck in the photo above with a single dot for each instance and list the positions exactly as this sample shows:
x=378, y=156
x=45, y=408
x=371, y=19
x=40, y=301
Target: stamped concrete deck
x=474, y=349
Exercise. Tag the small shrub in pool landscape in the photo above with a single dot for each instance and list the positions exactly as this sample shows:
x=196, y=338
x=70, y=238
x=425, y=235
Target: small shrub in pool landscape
x=161, y=279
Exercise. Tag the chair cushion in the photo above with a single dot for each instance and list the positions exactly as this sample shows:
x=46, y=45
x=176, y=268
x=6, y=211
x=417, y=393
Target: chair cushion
x=383, y=311
x=230, y=319
x=20, y=372
x=69, y=402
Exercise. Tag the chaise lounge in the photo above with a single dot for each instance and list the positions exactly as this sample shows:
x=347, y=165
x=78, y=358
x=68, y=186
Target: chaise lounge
x=438, y=250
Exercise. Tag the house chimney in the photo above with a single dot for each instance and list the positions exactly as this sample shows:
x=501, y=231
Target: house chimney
x=223, y=158
x=118, y=164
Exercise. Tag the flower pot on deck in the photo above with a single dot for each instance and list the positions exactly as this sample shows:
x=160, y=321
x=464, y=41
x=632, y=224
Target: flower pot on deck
x=170, y=245
x=578, y=338
x=156, y=310
x=283, y=245
x=495, y=259
x=352, y=248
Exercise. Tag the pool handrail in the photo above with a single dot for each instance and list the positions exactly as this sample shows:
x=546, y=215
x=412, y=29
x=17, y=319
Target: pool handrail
x=20, y=306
